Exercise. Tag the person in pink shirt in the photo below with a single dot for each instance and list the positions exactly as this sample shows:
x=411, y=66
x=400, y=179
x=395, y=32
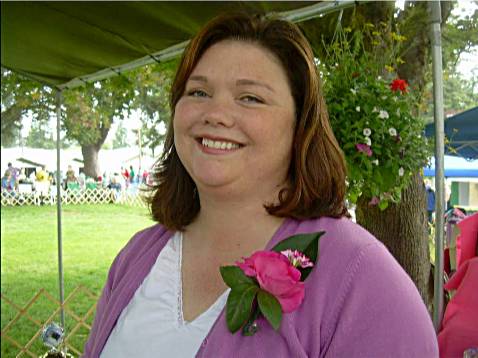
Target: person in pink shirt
x=459, y=331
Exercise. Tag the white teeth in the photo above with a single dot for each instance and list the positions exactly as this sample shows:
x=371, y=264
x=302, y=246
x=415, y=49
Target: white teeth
x=219, y=144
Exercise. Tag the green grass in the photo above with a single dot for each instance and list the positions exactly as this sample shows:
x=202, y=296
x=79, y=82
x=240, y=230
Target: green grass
x=92, y=236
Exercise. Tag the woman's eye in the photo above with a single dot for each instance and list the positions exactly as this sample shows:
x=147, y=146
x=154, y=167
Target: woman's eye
x=251, y=99
x=197, y=93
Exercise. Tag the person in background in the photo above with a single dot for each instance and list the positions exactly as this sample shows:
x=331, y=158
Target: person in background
x=145, y=177
x=249, y=160
x=42, y=185
x=125, y=174
x=71, y=176
x=430, y=201
x=132, y=174
x=82, y=180
x=459, y=330
x=8, y=179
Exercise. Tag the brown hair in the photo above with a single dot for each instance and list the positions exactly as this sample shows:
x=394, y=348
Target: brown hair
x=317, y=169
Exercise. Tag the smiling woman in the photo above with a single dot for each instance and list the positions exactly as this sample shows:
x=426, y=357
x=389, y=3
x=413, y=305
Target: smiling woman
x=251, y=166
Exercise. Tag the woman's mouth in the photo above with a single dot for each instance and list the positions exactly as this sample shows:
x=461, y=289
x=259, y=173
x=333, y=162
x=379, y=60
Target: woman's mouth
x=219, y=144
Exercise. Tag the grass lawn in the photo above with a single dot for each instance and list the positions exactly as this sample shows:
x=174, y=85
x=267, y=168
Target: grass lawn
x=92, y=236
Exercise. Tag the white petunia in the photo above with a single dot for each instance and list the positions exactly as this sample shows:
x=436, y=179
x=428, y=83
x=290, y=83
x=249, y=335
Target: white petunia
x=368, y=141
x=357, y=108
x=392, y=131
x=353, y=90
x=401, y=171
x=383, y=114
x=367, y=132
x=375, y=161
x=379, y=78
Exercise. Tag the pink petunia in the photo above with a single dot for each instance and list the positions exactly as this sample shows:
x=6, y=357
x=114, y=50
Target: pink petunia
x=364, y=148
x=375, y=201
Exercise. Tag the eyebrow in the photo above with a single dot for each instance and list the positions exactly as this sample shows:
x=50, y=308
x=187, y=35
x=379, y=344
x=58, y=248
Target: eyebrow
x=247, y=82
x=198, y=78
x=240, y=82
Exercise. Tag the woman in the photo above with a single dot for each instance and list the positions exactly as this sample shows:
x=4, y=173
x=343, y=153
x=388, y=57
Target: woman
x=249, y=160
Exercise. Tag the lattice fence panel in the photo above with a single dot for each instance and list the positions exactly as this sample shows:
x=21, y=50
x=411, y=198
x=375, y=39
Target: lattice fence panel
x=75, y=197
x=76, y=322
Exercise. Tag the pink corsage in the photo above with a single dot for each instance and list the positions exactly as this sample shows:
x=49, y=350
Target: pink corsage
x=269, y=283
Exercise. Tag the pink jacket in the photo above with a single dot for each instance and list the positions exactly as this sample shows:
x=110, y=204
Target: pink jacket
x=358, y=301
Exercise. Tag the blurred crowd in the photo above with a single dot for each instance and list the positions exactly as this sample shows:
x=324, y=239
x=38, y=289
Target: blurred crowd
x=40, y=180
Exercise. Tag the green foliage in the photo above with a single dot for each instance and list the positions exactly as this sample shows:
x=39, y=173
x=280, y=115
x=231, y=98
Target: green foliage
x=40, y=136
x=152, y=88
x=90, y=110
x=373, y=122
x=120, y=140
x=20, y=95
x=459, y=35
x=460, y=94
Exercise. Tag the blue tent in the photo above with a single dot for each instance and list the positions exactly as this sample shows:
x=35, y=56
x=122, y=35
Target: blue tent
x=455, y=168
x=461, y=130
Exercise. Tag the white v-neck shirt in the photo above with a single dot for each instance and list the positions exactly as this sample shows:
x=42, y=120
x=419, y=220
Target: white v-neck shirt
x=152, y=324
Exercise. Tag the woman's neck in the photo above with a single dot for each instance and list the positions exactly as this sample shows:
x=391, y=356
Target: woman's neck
x=233, y=225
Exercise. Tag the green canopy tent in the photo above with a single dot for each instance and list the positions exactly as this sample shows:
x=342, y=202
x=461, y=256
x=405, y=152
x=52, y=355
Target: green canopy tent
x=67, y=44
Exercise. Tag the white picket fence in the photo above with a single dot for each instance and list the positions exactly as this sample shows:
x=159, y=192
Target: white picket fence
x=75, y=196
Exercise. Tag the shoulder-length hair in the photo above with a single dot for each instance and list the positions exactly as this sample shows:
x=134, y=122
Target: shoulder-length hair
x=317, y=171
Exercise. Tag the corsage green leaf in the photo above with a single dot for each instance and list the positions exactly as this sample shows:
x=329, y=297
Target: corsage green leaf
x=270, y=308
x=239, y=305
x=234, y=277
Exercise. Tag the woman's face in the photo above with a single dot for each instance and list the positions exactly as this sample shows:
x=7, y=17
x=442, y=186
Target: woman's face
x=234, y=124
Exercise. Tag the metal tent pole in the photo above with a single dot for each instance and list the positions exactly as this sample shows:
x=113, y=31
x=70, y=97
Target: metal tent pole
x=435, y=33
x=58, y=208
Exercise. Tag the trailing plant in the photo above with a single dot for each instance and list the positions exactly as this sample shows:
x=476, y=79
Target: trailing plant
x=372, y=113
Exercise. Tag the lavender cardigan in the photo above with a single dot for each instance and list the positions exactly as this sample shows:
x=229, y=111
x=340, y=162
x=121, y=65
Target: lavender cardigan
x=358, y=301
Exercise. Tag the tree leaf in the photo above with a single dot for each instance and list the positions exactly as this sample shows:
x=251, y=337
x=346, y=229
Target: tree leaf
x=238, y=306
x=235, y=278
x=270, y=308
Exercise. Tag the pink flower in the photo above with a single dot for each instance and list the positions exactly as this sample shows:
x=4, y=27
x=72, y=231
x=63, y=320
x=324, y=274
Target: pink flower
x=375, y=201
x=364, y=148
x=276, y=275
x=297, y=258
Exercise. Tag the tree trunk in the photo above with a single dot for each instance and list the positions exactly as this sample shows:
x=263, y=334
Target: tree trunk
x=403, y=230
x=90, y=160
x=90, y=153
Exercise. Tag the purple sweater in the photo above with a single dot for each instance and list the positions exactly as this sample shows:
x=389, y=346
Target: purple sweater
x=358, y=301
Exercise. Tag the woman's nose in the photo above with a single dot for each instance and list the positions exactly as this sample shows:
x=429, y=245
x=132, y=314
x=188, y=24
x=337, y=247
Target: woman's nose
x=219, y=113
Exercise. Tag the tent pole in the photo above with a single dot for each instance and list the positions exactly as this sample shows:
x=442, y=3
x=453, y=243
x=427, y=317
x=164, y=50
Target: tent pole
x=58, y=208
x=435, y=11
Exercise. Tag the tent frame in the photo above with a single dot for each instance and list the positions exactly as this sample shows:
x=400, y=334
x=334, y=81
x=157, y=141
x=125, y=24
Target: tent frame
x=437, y=63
